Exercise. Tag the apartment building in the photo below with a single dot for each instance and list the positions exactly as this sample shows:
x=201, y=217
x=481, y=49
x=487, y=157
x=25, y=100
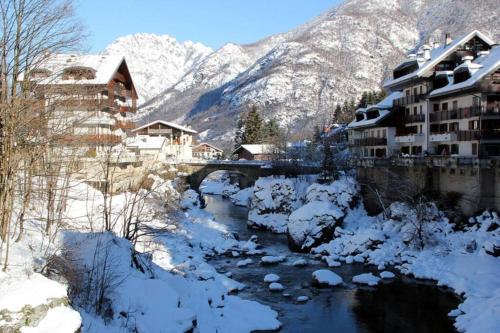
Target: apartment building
x=445, y=101
x=88, y=100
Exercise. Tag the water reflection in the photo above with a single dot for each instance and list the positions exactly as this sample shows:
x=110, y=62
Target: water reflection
x=399, y=306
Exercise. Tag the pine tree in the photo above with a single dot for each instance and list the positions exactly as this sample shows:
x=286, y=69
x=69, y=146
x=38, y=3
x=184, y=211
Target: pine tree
x=271, y=131
x=363, y=101
x=338, y=114
x=253, y=127
x=239, y=137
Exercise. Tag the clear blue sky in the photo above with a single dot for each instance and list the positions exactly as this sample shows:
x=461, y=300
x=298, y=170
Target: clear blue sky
x=211, y=22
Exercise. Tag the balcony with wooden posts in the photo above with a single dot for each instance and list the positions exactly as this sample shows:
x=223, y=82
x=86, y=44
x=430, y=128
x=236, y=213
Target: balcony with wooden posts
x=88, y=139
x=125, y=124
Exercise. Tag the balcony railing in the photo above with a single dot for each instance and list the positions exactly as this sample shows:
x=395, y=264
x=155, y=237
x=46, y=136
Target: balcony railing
x=463, y=113
x=370, y=142
x=406, y=100
x=414, y=118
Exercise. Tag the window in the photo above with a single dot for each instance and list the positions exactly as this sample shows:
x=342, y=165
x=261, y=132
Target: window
x=378, y=133
x=455, y=105
x=476, y=101
x=444, y=106
x=415, y=91
x=407, y=92
x=474, y=149
x=454, y=149
x=421, y=108
x=407, y=111
x=435, y=107
x=443, y=128
x=420, y=131
x=453, y=127
x=415, y=110
x=473, y=124
x=421, y=90
x=384, y=134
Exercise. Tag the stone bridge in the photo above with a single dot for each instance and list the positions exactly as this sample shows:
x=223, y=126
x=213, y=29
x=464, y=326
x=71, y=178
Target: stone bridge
x=248, y=171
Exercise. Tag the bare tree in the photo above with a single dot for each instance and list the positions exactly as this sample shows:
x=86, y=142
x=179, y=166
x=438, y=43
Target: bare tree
x=29, y=31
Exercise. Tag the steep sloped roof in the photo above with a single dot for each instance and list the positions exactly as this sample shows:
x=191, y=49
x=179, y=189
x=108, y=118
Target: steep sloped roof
x=103, y=65
x=437, y=55
x=145, y=142
x=384, y=107
x=169, y=124
x=257, y=149
x=206, y=144
x=488, y=64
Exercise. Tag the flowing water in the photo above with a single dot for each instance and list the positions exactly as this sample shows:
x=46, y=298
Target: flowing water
x=400, y=305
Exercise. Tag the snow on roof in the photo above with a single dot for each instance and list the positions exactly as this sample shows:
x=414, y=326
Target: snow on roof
x=437, y=55
x=383, y=107
x=104, y=65
x=257, y=149
x=206, y=144
x=487, y=64
x=169, y=124
x=146, y=142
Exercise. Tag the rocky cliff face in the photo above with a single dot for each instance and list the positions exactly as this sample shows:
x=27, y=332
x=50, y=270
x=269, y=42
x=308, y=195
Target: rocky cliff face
x=299, y=76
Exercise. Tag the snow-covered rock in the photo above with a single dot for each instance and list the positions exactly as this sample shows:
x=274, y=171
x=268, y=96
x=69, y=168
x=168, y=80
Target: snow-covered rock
x=299, y=263
x=387, y=275
x=243, y=197
x=302, y=299
x=314, y=223
x=326, y=278
x=275, y=286
x=366, y=278
x=190, y=199
x=244, y=263
x=271, y=278
x=271, y=260
x=274, y=198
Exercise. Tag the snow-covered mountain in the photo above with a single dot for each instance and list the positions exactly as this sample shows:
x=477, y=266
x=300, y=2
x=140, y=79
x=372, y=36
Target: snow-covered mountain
x=299, y=76
x=157, y=62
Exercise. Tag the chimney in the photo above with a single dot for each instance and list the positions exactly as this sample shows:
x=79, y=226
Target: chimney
x=484, y=52
x=412, y=56
x=427, y=52
x=435, y=45
x=447, y=39
x=467, y=60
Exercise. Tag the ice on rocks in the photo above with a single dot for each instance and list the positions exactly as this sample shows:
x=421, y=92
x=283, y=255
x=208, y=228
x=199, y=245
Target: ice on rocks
x=271, y=278
x=324, y=277
x=366, y=278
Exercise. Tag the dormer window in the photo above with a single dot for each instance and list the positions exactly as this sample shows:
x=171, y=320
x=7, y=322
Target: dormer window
x=359, y=117
x=79, y=73
x=461, y=74
x=373, y=114
x=405, y=68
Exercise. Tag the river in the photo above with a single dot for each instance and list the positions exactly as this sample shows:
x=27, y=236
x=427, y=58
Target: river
x=399, y=305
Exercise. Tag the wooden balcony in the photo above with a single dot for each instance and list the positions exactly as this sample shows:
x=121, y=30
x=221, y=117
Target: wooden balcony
x=91, y=139
x=125, y=124
x=370, y=142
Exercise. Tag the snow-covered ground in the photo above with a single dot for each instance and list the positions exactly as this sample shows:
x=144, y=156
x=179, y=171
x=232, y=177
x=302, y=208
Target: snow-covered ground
x=219, y=183
x=162, y=283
